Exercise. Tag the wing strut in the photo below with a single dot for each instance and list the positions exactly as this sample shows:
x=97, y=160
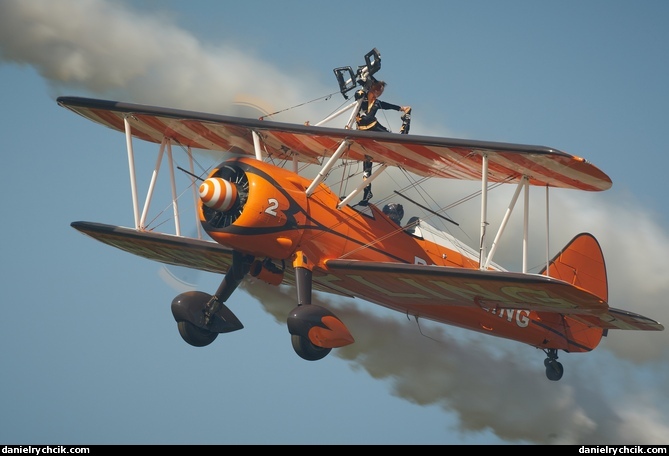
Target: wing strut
x=152, y=184
x=196, y=197
x=349, y=124
x=548, y=260
x=526, y=223
x=523, y=182
x=340, y=150
x=484, y=209
x=328, y=166
x=131, y=168
x=140, y=221
x=173, y=184
x=362, y=184
x=256, y=145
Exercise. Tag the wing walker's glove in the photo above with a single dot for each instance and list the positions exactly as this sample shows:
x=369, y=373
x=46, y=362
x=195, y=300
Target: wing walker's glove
x=406, y=120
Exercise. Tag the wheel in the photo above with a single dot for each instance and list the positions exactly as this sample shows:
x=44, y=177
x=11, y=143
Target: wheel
x=306, y=350
x=194, y=335
x=554, y=369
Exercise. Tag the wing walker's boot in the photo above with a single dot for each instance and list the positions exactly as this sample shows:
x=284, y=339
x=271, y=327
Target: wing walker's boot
x=367, y=195
x=367, y=171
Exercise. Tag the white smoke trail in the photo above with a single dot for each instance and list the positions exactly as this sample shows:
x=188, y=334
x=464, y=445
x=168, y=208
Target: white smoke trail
x=103, y=48
x=491, y=384
x=106, y=49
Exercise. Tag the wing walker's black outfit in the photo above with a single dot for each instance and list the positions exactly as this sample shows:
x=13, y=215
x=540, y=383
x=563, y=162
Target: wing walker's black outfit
x=367, y=115
x=367, y=121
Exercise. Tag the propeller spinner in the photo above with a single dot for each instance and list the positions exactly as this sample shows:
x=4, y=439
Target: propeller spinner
x=218, y=194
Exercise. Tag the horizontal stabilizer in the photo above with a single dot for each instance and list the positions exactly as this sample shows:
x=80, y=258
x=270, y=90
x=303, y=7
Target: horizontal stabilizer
x=581, y=263
x=619, y=319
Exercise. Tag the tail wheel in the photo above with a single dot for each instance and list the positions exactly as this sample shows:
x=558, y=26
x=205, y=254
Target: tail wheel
x=222, y=219
x=194, y=335
x=305, y=349
x=554, y=369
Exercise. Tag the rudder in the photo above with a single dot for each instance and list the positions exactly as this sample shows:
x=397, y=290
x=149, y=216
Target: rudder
x=581, y=263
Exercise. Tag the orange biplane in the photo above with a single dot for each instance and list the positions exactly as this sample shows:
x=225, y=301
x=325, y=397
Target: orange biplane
x=270, y=222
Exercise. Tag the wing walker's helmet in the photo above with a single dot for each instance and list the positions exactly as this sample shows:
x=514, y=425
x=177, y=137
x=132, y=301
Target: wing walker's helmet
x=394, y=211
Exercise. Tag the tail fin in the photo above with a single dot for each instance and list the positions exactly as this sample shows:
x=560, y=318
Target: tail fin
x=581, y=263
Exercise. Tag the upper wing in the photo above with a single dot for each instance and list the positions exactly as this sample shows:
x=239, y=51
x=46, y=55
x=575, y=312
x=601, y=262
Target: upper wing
x=421, y=155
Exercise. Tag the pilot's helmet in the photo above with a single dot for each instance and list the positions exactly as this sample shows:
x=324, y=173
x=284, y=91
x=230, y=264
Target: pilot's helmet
x=394, y=211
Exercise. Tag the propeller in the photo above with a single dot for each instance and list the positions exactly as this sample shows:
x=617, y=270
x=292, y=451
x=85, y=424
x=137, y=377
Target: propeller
x=221, y=194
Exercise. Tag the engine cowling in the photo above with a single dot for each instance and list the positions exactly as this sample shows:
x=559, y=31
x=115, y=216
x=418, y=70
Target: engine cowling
x=254, y=207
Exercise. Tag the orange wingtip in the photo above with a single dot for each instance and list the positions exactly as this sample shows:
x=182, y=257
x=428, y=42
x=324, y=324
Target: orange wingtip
x=335, y=335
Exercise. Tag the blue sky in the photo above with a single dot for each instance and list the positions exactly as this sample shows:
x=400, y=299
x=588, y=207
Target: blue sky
x=90, y=351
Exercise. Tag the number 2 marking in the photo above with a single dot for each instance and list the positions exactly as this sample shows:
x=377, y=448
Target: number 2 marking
x=273, y=204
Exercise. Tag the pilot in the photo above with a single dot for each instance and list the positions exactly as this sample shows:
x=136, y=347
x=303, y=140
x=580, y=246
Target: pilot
x=367, y=121
x=394, y=211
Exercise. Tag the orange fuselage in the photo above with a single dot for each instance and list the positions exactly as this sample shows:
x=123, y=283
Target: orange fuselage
x=274, y=218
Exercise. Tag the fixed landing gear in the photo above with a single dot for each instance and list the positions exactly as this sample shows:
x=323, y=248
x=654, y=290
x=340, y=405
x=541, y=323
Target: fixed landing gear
x=314, y=330
x=554, y=369
x=306, y=350
x=194, y=335
x=201, y=317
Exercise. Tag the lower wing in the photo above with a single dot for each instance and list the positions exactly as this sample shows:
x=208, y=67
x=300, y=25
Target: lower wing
x=416, y=289
x=431, y=290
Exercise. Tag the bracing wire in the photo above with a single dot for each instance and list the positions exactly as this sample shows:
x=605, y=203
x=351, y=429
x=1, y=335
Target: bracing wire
x=324, y=98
